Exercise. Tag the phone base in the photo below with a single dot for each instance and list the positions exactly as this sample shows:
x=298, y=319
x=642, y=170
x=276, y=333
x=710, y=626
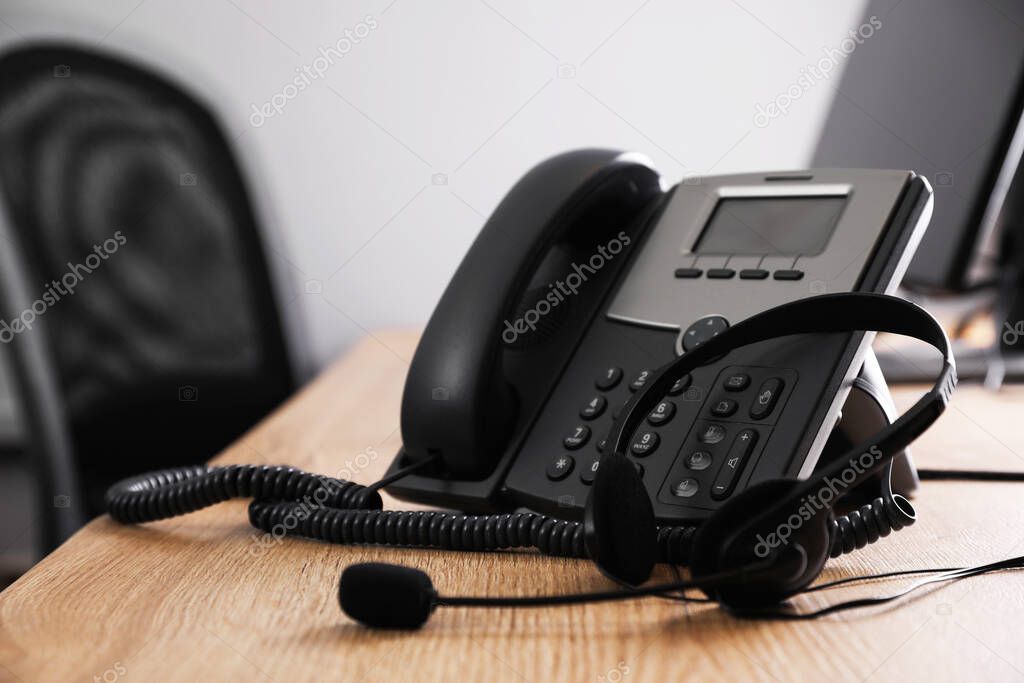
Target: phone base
x=869, y=408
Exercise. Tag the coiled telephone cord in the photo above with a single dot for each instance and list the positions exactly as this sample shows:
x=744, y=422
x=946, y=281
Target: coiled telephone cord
x=291, y=502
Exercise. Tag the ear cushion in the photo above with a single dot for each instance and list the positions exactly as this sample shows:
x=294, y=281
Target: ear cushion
x=799, y=542
x=620, y=531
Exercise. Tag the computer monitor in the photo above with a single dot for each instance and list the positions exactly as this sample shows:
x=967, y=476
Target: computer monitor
x=938, y=87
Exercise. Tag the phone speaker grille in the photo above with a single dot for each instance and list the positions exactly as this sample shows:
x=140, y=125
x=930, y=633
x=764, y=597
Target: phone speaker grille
x=538, y=317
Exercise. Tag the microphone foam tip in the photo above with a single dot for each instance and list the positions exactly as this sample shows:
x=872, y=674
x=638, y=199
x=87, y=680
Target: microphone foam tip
x=382, y=595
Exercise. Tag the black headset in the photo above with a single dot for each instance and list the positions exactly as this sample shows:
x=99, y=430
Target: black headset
x=619, y=515
x=765, y=544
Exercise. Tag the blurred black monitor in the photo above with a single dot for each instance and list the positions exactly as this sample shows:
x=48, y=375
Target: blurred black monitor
x=938, y=87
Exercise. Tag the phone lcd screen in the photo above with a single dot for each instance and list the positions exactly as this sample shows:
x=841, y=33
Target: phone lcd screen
x=784, y=226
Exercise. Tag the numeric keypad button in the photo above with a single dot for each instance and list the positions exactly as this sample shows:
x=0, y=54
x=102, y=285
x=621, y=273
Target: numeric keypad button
x=662, y=413
x=578, y=438
x=588, y=472
x=609, y=380
x=560, y=467
x=593, y=408
x=641, y=380
x=680, y=385
x=644, y=444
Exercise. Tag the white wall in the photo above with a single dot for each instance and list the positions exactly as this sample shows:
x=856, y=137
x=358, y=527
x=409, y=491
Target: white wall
x=477, y=91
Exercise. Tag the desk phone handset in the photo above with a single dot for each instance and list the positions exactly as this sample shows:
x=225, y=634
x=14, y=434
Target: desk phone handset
x=680, y=376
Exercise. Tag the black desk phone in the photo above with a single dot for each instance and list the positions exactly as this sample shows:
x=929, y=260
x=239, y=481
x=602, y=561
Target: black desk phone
x=678, y=375
x=589, y=275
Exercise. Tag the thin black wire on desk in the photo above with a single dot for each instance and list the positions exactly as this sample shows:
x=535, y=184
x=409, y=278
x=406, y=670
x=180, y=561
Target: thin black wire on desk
x=969, y=475
x=955, y=575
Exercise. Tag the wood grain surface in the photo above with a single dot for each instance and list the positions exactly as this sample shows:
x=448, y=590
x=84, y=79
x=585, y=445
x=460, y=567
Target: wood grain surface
x=202, y=598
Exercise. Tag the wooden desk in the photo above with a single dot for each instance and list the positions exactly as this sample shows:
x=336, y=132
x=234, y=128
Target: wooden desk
x=198, y=599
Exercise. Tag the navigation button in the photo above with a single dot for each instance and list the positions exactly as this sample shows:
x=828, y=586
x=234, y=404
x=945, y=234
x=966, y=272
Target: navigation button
x=703, y=330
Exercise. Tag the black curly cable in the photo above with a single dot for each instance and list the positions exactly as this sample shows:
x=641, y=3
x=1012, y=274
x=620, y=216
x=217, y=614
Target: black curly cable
x=177, y=491
x=291, y=502
x=870, y=522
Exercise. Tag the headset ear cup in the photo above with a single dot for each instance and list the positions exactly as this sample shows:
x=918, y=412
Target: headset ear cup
x=620, y=530
x=726, y=541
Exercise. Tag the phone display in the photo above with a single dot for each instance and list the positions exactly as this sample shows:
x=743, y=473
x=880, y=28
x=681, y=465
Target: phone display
x=788, y=226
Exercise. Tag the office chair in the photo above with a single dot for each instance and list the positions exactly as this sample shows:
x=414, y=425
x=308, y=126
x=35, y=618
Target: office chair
x=172, y=344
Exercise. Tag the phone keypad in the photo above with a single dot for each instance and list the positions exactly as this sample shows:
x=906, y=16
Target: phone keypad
x=699, y=441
